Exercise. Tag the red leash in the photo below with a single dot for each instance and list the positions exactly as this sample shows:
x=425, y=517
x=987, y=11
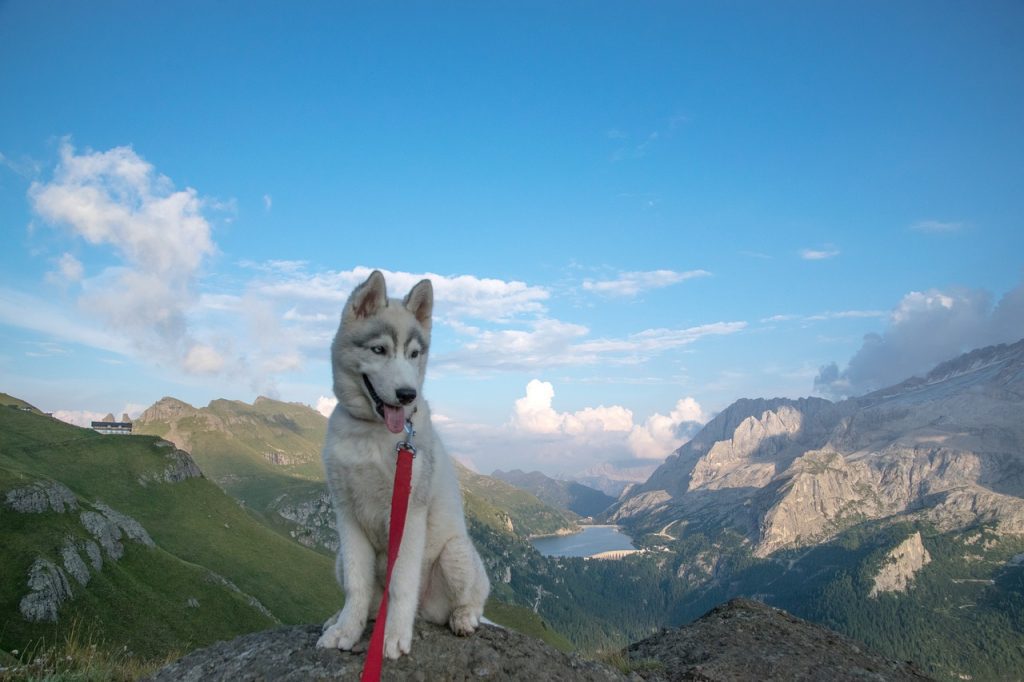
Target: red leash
x=399, y=507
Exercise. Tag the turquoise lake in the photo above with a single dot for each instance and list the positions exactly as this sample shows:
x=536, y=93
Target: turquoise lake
x=591, y=540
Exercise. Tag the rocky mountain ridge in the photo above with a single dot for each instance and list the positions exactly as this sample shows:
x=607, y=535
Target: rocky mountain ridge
x=948, y=448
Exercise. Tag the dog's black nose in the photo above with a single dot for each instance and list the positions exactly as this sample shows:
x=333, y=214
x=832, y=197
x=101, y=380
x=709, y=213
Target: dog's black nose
x=405, y=395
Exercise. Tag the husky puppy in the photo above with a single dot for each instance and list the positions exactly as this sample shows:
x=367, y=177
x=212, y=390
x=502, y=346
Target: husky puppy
x=379, y=359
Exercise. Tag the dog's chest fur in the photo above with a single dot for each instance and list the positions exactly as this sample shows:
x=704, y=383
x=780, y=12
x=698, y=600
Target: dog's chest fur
x=362, y=468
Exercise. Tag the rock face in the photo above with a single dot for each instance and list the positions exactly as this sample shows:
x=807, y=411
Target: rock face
x=900, y=566
x=947, y=448
x=49, y=584
x=747, y=640
x=741, y=640
x=290, y=655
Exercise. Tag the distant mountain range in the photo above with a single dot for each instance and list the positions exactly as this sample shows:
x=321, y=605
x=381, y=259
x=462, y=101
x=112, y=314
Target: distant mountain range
x=568, y=495
x=947, y=449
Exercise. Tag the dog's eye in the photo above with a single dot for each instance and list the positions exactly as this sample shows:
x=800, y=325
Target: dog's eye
x=379, y=350
x=415, y=354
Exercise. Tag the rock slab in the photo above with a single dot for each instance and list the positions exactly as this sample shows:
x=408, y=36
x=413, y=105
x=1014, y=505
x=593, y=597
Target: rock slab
x=289, y=654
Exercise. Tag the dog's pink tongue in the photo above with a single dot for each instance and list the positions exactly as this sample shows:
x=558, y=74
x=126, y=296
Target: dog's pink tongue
x=394, y=417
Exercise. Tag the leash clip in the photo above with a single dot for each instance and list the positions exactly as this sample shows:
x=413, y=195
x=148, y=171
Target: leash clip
x=407, y=444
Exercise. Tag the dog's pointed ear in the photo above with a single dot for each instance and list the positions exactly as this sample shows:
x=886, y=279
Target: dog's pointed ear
x=369, y=297
x=420, y=302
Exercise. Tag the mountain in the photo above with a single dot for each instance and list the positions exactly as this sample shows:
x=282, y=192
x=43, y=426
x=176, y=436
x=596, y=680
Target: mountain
x=902, y=506
x=122, y=537
x=613, y=478
x=567, y=495
x=948, y=448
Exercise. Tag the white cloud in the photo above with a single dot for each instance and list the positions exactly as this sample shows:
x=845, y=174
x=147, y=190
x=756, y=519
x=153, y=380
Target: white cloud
x=83, y=418
x=534, y=413
x=936, y=226
x=818, y=254
x=268, y=202
x=552, y=343
x=660, y=434
x=69, y=270
x=829, y=315
x=924, y=329
x=117, y=201
x=455, y=296
x=629, y=284
x=537, y=435
x=29, y=312
x=325, y=405
x=202, y=359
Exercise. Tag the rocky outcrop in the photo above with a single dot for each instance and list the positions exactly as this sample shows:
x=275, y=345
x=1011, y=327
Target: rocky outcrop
x=901, y=565
x=315, y=521
x=41, y=496
x=741, y=640
x=180, y=467
x=748, y=640
x=48, y=588
x=290, y=655
x=49, y=584
x=110, y=526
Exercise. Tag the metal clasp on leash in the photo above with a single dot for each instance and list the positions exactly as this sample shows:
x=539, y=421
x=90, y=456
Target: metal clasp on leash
x=407, y=444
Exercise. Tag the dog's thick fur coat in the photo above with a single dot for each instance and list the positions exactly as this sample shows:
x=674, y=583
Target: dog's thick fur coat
x=379, y=360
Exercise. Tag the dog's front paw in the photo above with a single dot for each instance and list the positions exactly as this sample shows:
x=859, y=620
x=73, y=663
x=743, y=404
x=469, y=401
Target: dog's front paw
x=464, y=620
x=397, y=644
x=341, y=635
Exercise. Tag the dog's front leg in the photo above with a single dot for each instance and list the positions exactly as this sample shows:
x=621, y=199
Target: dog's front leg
x=355, y=565
x=404, y=593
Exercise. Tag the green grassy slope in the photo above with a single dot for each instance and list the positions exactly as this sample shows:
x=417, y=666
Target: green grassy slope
x=251, y=451
x=196, y=528
x=10, y=401
x=497, y=503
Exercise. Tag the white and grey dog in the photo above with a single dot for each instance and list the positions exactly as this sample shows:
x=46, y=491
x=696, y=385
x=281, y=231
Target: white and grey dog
x=379, y=359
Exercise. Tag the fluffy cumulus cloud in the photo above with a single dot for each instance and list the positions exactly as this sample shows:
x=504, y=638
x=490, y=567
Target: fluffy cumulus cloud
x=661, y=434
x=533, y=413
x=603, y=429
x=325, y=405
x=117, y=201
x=924, y=329
x=629, y=284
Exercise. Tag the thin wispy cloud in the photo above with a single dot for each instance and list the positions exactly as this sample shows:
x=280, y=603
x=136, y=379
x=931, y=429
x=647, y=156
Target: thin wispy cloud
x=551, y=343
x=937, y=226
x=828, y=315
x=629, y=284
x=818, y=254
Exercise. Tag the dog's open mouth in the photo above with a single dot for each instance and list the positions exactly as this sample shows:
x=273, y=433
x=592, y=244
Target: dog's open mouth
x=393, y=415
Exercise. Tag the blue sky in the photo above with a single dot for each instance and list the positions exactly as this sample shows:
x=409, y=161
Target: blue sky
x=647, y=210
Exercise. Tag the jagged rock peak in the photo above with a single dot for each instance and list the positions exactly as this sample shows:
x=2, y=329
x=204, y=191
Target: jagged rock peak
x=901, y=565
x=166, y=409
